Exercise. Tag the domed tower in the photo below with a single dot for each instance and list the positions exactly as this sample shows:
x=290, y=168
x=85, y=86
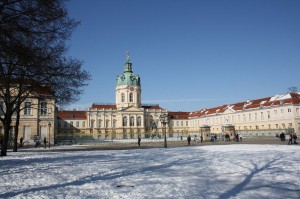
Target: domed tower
x=128, y=90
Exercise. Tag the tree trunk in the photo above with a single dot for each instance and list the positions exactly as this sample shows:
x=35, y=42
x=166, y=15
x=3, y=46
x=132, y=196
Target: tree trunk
x=5, y=138
x=15, y=148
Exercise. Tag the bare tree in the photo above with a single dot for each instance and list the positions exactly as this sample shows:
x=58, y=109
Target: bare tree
x=32, y=56
x=293, y=89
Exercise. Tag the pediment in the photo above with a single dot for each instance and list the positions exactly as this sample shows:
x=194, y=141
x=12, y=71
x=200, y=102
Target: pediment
x=132, y=109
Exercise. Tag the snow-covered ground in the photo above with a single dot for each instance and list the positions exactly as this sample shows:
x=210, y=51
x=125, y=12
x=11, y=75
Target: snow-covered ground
x=220, y=171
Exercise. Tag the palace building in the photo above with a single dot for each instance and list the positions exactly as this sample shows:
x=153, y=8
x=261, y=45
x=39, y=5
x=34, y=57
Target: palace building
x=129, y=118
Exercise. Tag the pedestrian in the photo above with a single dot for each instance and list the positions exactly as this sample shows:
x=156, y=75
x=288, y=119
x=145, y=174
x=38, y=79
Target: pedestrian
x=45, y=142
x=282, y=136
x=139, y=141
x=21, y=141
x=290, y=138
x=295, y=138
x=181, y=137
x=36, y=141
x=189, y=140
x=201, y=138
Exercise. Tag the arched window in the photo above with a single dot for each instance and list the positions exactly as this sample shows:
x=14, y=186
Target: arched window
x=131, y=121
x=139, y=121
x=124, y=121
x=123, y=97
x=130, y=97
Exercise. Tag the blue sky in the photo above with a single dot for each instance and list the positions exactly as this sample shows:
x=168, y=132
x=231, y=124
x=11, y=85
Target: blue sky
x=190, y=54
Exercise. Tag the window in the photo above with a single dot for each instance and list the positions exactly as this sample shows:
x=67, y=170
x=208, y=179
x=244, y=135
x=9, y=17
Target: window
x=77, y=123
x=43, y=108
x=249, y=116
x=177, y=123
x=276, y=126
x=65, y=124
x=114, y=123
x=27, y=108
x=256, y=127
x=269, y=116
x=181, y=123
x=262, y=115
x=275, y=114
x=297, y=112
x=107, y=123
x=281, y=112
x=289, y=110
x=130, y=97
x=83, y=124
x=290, y=125
x=131, y=121
x=187, y=123
x=244, y=117
x=99, y=123
x=123, y=97
x=255, y=116
x=71, y=123
x=92, y=123
x=239, y=118
x=283, y=125
x=139, y=121
x=124, y=121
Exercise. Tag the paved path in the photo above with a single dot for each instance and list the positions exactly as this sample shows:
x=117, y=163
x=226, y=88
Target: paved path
x=171, y=144
x=132, y=144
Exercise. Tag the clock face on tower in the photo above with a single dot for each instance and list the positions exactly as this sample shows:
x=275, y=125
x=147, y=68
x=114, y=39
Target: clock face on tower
x=131, y=88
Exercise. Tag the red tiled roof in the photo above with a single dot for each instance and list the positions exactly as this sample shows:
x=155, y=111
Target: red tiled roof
x=251, y=104
x=179, y=115
x=71, y=115
x=105, y=106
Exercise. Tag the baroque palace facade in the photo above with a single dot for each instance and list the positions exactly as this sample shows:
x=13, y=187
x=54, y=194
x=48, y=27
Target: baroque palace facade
x=129, y=118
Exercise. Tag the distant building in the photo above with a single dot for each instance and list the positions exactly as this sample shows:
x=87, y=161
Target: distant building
x=129, y=118
x=37, y=117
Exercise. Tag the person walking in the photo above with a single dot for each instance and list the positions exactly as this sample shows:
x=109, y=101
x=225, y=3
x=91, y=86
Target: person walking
x=139, y=141
x=295, y=138
x=45, y=142
x=201, y=138
x=290, y=138
x=21, y=141
x=189, y=140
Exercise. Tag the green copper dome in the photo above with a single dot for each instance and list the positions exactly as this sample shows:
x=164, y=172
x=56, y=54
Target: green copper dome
x=127, y=77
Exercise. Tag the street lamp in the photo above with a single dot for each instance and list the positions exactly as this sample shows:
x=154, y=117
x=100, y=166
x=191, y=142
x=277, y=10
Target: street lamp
x=165, y=119
x=49, y=125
